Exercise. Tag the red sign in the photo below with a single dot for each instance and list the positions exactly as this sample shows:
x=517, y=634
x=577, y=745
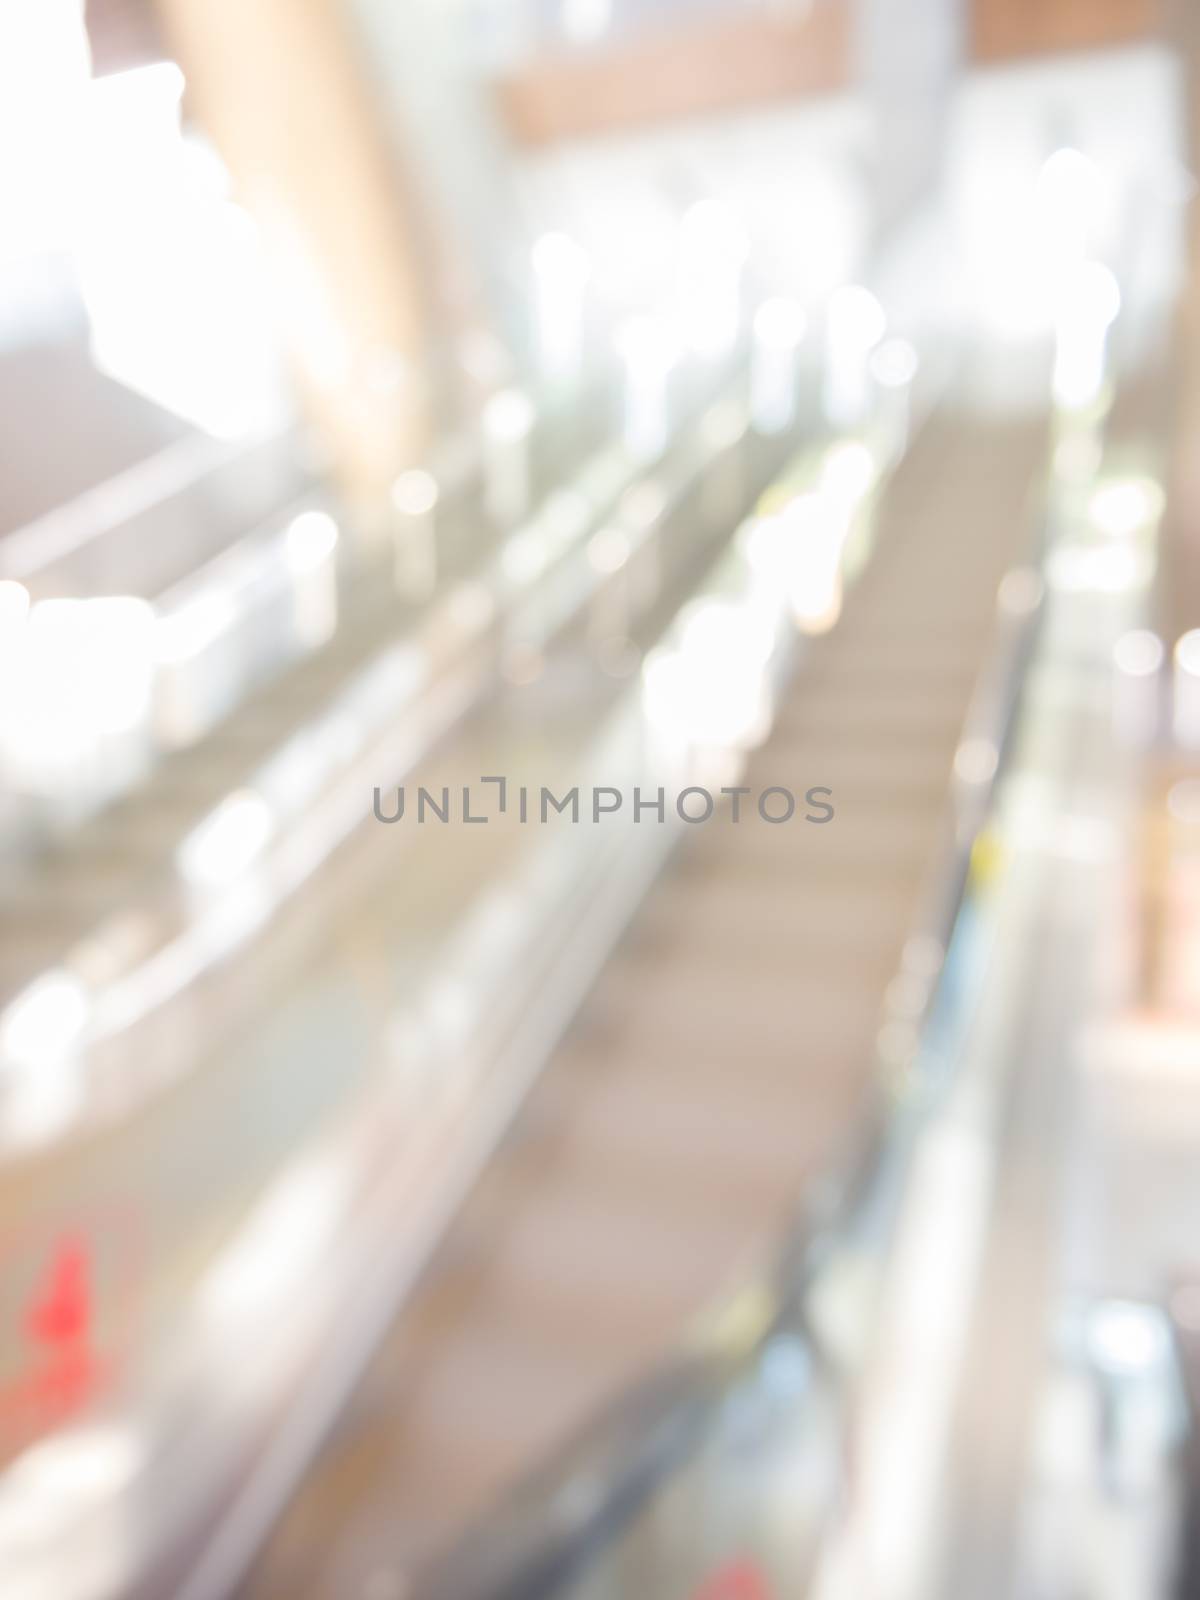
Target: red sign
x=740, y=1580
x=64, y=1324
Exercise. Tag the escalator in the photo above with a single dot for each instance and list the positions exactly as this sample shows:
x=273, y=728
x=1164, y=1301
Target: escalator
x=67, y=893
x=726, y=1052
x=202, y=532
x=198, y=1106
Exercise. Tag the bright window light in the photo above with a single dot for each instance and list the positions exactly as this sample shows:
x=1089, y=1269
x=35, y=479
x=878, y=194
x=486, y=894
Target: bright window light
x=79, y=674
x=228, y=842
x=46, y=1021
x=310, y=541
x=1122, y=508
x=171, y=272
x=415, y=493
x=1139, y=654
